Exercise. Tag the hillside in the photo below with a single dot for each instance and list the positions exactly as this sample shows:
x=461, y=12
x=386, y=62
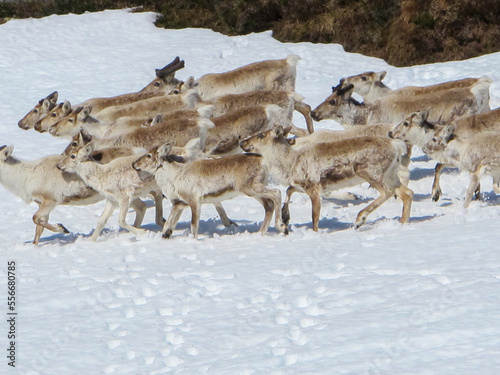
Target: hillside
x=402, y=32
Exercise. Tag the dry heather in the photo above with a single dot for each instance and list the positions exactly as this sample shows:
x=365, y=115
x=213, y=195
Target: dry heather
x=403, y=32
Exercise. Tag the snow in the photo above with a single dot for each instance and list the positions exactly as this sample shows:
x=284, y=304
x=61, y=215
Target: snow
x=385, y=299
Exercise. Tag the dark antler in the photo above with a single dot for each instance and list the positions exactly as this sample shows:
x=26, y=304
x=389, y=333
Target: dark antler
x=174, y=66
x=342, y=91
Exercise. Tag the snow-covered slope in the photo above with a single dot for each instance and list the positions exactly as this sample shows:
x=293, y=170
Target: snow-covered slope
x=385, y=299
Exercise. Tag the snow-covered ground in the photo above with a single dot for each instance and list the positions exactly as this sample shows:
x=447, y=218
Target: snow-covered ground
x=386, y=299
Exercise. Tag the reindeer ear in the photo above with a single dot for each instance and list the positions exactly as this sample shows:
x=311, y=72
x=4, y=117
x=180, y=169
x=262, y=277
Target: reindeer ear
x=53, y=97
x=381, y=75
x=6, y=151
x=424, y=114
x=279, y=131
x=164, y=150
x=67, y=106
x=189, y=83
x=156, y=120
x=46, y=104
x=88, y=149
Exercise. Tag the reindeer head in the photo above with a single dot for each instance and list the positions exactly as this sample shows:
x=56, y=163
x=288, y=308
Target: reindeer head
x=259, y=142
x=165, y=80
x=362, y=83
x=41, y=109
x=334, y=105
x=57, y=113
x=72, y=123
x=413, y=127
x=71, y=161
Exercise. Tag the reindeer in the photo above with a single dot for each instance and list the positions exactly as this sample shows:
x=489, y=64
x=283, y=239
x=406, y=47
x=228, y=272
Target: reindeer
x=479, y=155
x=209, y=181
x=258, y=76
x=80, y=117
x=231, y=128
x=392, y=109
x=57, y=113
x=41, y=109
x=116, y=181
x=164, y=82
x=82, y=120
x=370, y=86
x=418, y=131
x=192, y=150
x=287, y=101
x=327, y=166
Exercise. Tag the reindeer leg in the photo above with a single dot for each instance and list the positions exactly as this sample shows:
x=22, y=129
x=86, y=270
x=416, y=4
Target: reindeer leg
x=195, y=217
x=406, y=195
x=124, y=204
x=363, y=214
x=175, y=215
x=41, y=219
x=158, y=198
x=140, y=210
x=226, y=221
x=315, y=196
x=475, y=177
x=285, y=211
x=103, y=219
x=305, y=110
x=436, y=189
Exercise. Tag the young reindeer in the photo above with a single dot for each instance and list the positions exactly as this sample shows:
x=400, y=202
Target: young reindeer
x=209, y=181
x=40, y=110
x=418, y=131
x=40, y=181
x=392, y=109
x=116, y=181
x=330, y=166
x=370, y=86
x=263, y=75
x=478, y=155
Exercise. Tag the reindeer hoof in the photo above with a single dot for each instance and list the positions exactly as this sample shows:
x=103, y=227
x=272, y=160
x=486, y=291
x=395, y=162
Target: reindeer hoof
x=167, y=234
x=62, y=228
x=286, y=232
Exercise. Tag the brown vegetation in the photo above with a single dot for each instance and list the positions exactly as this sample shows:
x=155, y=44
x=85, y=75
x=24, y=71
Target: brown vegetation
x=403, y=32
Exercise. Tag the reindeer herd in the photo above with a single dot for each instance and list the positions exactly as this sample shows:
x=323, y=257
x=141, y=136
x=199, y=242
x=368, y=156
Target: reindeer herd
x=210, y=139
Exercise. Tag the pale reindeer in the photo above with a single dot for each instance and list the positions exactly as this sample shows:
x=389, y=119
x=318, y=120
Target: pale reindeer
x=192, y=150
x=379, y=130
x=40, y=181
x=418, y=131
x=164, y=82
x=392, y=109
x=479, y=155
x=370, y=87
x=325, y=166
x=116, y=181
x=263, y=75
x=40, y=110
x=198, y=182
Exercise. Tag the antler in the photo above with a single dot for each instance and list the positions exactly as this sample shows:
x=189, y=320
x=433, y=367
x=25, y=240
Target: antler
x=342, y=91
x=174, y=66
